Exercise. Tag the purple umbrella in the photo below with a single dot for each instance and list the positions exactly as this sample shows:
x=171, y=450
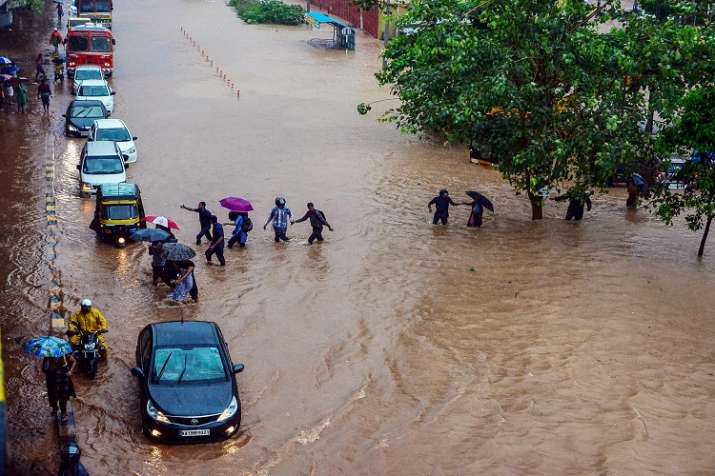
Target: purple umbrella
x=236, y=204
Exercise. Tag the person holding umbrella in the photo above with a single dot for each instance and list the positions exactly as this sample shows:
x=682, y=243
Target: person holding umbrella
x=180, y=267
x=204, y=221
x=239, y=208
x=479, y=203
x=57, y=364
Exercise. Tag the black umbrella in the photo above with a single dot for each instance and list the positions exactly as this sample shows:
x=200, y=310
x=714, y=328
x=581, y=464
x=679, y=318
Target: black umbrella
x=177, y=252
x=481, y=199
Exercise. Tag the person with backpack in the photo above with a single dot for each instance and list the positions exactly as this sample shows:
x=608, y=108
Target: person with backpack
x=317, y=221
x=243, y=225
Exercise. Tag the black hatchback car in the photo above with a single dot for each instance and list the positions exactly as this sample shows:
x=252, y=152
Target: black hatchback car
x=187, y=381
x=80, y=116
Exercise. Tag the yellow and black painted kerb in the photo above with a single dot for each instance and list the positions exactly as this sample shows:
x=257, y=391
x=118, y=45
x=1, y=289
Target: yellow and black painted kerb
x=55, y=297
x=3, y=424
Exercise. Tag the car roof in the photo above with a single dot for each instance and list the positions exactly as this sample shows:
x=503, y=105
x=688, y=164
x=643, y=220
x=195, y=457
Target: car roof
x=94, y=82
x=186, y=333
x=101, y=147
x=109, y=123
x=119, y=190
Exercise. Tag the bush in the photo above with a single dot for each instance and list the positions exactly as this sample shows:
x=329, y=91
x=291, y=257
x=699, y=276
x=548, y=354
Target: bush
x=268, y=11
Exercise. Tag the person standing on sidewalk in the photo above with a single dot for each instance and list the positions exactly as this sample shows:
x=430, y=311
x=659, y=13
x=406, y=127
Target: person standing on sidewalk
x=21, y=96
x=280, y=216
x=317, y=221
x=217, y=242
x=44, y=92
x=59, y=383
x=60, y=14
x=56, y=40
x=204, y=221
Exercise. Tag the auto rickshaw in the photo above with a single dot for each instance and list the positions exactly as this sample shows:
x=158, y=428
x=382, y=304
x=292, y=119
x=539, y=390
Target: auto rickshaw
x=119, y=212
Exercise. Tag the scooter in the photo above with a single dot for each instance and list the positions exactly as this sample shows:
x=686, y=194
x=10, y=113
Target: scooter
x=88, y=354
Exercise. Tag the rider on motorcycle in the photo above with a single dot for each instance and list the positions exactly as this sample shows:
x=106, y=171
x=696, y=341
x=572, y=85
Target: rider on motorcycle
x=87, y=320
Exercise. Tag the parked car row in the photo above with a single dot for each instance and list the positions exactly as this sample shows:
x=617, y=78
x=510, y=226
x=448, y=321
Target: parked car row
x=186, y=378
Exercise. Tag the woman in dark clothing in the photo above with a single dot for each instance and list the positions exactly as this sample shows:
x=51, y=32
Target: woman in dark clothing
x=59, y=383
x=475, y=218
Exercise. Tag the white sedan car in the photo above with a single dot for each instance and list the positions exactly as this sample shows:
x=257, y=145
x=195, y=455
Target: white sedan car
x=98, y=90
x=85, y=72
x=116, y=131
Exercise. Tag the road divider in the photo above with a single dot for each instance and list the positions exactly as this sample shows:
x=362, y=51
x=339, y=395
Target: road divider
x=230, y=83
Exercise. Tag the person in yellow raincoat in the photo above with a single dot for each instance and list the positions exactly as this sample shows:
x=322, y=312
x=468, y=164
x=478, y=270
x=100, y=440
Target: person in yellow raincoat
x=88, y=320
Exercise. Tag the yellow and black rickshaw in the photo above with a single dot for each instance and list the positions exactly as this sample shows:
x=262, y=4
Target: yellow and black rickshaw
x=119, y=212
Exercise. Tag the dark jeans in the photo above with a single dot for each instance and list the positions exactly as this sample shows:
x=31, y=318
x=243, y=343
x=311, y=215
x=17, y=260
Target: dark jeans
x=440, y=216
x=218, y=251
x=205, y=231
x=280, y=234
x=59, y=390
x=234, y=239
x=316, y=235
x=575, y=210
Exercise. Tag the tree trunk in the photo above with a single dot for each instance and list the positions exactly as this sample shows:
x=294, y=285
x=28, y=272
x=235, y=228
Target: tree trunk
x=705, y=236
x=537, y=206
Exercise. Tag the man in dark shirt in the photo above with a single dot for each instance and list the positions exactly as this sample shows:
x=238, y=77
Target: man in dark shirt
x=442, y=203
x=317, y=221
x=217, y=242
x=204, y=221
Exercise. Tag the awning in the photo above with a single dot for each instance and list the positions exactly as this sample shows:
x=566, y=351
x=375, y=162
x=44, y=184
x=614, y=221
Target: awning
x=317, y=18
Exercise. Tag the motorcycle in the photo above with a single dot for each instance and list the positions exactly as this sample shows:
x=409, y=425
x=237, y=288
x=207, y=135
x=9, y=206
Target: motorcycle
x=88, y=353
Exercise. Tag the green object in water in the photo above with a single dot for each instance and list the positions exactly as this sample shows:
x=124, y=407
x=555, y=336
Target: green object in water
x=472, y=269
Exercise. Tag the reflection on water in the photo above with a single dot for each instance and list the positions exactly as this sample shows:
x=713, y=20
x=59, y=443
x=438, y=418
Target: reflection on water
x=395, y=347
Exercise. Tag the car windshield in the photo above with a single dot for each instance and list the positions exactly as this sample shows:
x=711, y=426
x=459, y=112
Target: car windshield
x=119, y=212
x=114, y=134
x=101, y=44
x=103, y=165
x=186, y=364
x=86, y=111
x=90, y=91
x=82, y=74
x=88, y=6
x=78, y=43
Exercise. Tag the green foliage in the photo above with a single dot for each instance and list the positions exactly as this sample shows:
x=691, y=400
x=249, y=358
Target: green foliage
x=532, y=83
x=268, y=11
x=34, y=5
x=694, y=129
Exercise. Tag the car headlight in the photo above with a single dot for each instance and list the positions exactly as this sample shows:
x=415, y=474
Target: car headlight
x=154, y=413
x=229, y=411
x=73, y=128
x=132, y=150
x=86, y=187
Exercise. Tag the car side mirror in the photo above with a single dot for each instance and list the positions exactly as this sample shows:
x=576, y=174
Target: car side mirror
x=114, y=42
x=77, y=166
x=137, y=372
x=135, y=138
x=64, y=115
x=89, y=139
x=238, y=368
x=113, y=93
x=125, y=157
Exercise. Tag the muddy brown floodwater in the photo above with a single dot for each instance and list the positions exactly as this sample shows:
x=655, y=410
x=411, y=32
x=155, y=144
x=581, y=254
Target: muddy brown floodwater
x=394, y=347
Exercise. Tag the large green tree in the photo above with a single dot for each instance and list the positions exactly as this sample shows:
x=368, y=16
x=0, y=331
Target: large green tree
x=534, y=83
x=693, y=130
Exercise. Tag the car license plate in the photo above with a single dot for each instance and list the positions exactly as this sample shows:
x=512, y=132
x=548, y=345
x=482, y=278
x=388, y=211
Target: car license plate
x=194, y=433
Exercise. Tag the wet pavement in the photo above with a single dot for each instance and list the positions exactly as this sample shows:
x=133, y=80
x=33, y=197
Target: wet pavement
x=394, y=347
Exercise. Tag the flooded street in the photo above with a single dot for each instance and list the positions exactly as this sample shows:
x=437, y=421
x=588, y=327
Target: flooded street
x=394, y=347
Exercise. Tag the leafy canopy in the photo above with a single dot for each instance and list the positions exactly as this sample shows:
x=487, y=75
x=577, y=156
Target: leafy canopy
x=532, y=83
